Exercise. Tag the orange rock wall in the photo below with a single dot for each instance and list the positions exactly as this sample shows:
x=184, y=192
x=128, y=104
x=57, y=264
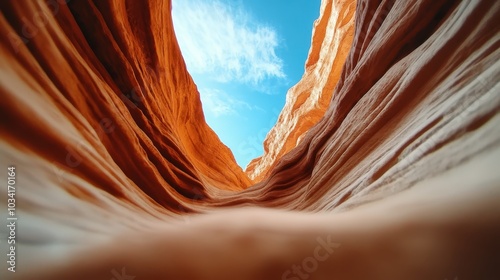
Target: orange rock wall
x=111, y=75
x=419, y=81
x=307, y=101
x=104, y=127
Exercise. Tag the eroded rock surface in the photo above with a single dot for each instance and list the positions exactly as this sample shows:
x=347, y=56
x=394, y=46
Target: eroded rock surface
x=398, y=179
x=307, y=101
x=120, y=99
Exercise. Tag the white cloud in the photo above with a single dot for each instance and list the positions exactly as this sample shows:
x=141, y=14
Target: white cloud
x=214, y=102
x=224, y=43
x=219, y=103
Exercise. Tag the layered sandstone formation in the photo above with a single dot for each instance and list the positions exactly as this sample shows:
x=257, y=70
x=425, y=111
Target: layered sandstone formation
x=307, y=101
x=397, y=179
x=116, y=86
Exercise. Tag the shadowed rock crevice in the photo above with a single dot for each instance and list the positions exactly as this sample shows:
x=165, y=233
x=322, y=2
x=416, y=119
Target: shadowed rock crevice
x=389, y=146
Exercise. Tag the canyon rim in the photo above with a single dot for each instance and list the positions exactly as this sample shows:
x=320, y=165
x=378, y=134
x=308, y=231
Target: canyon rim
x=388, y=147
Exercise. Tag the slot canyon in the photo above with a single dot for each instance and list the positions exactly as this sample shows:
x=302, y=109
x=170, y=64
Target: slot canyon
x=383, y=164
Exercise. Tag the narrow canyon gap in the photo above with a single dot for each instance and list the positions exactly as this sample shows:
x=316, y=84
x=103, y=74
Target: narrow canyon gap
x=385, y=156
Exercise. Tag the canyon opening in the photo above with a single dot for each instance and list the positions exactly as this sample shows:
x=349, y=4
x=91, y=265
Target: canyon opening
x=380, y=163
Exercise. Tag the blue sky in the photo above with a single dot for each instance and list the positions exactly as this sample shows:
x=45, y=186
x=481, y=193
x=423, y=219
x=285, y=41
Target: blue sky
x=244, y=55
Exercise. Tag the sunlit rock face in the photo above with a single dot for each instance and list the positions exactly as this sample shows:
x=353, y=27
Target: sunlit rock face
x=418, y=86
x=307, y=101
x=397, y=179
x=119, y=96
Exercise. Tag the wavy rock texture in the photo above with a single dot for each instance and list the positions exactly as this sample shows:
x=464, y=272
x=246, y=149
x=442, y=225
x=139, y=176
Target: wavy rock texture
x=307, y=101
x=397, y=180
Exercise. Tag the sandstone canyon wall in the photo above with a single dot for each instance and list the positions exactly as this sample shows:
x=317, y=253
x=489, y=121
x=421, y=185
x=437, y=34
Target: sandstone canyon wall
x=307, y=101
x=131, y=100
x=396, y=179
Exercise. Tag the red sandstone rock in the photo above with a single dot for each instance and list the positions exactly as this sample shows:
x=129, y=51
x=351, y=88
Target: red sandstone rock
x=307, y=101
x=118, y=92
x=105, y=129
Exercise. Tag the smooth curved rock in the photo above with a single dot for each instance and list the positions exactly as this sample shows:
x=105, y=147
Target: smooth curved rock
x=114, y=69
x=307, y=101
x=398, y=179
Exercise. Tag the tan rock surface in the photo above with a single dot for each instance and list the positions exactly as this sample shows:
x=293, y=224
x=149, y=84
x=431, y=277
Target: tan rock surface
x=307, y=101
x=398, y=179
x=121, y=79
